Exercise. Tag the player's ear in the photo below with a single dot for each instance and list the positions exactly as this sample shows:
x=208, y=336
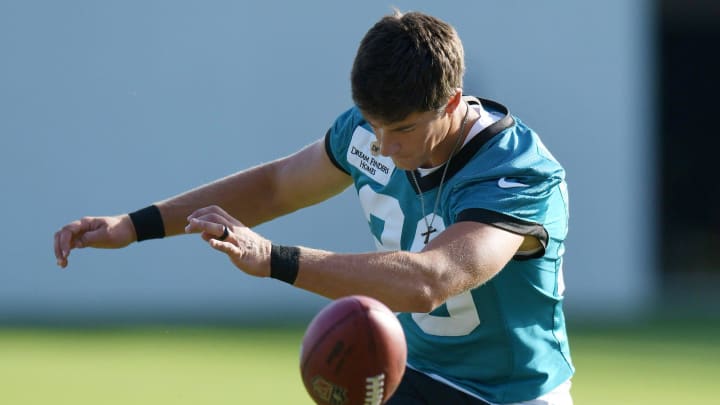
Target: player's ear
x=454, y=101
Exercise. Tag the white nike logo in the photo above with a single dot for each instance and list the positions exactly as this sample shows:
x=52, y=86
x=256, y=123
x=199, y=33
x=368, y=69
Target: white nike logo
x=505, y=183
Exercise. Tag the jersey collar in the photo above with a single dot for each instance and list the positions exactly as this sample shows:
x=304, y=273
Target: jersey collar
x=467, y=152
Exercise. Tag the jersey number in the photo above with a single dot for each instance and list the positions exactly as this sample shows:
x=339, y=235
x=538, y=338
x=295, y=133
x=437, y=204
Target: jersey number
x=463, y=313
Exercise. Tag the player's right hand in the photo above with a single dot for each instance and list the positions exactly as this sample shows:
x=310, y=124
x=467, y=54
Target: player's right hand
x=98, y=232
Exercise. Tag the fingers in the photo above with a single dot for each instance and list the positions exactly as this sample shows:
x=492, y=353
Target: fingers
x=61, y=260
x=99, y=232
x=225, y=247
x=90, y=237
x=60, y=257
x=212, y=210
x=64, y=236
x=247, y=250
x=212, y=222
x=210, y=228
x=225, y=233
x=65, y=239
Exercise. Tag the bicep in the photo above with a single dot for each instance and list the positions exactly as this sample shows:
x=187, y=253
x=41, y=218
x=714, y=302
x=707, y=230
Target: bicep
x=307, y=177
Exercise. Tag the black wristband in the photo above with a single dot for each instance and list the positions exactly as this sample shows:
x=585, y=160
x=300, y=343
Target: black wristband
x=148, y=223
x=284, y=263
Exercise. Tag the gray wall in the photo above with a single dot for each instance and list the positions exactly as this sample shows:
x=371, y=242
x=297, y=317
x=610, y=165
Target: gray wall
x=108, y=106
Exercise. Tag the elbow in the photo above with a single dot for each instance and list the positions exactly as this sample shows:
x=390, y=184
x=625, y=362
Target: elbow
x=438, y=285
x=433, y=282
x=426, y=297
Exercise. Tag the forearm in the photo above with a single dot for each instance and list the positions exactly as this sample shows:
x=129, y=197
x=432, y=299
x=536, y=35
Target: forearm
x=463, y=256
x=246, y=195
x=264, y=192
x=405, y=281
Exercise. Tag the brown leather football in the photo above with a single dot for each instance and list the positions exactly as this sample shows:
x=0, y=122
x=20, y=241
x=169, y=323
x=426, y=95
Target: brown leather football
x=353, y=352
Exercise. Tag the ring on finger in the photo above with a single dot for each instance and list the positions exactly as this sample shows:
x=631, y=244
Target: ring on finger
x=225, y=234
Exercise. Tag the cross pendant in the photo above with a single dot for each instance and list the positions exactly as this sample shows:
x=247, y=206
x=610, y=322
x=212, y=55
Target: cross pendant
x=427, y=233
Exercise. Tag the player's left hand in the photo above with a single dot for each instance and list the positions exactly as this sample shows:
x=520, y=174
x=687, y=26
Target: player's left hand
x=249, y=251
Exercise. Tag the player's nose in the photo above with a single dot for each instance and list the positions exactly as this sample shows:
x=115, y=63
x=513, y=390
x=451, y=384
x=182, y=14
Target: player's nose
x=389, y=148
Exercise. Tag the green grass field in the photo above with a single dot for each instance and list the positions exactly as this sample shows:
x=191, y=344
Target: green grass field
x=659, y=363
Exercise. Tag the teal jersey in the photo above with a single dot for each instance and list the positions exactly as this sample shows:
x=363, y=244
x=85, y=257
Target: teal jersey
x=503, y=341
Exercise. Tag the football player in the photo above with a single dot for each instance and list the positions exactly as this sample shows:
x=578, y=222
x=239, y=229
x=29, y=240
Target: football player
x=468, y=208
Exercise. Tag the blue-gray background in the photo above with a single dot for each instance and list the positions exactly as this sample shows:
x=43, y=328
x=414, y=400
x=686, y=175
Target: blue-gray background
x=107, y=106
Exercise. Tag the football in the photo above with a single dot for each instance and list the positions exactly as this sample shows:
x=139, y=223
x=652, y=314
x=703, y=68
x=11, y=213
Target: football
x=353, y=352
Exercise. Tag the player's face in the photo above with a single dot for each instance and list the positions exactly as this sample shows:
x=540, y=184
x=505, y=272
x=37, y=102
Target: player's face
x=413, y=142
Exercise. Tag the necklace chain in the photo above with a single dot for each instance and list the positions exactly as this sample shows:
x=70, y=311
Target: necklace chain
x=428, y=224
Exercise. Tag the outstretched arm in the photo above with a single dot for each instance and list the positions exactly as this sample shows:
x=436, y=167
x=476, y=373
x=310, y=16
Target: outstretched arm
x=463, y=256
x=264, y=192
x=254, y=195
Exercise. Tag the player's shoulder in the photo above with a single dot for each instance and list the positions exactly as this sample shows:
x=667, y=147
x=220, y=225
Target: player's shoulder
x=349, y=143
x=348, y=121
x=347, y=128
x=507, y=149
x=514, y=142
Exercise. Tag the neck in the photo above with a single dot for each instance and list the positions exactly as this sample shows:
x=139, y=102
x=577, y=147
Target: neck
x=460, y=125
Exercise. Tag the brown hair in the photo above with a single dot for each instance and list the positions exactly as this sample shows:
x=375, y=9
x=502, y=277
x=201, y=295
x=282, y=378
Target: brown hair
x=407, y=63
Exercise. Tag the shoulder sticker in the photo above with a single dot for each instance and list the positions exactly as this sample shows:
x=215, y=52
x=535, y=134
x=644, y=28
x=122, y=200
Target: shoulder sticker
x=378, y=168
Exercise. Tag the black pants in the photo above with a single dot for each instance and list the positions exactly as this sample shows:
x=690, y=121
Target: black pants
x=418, y=389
